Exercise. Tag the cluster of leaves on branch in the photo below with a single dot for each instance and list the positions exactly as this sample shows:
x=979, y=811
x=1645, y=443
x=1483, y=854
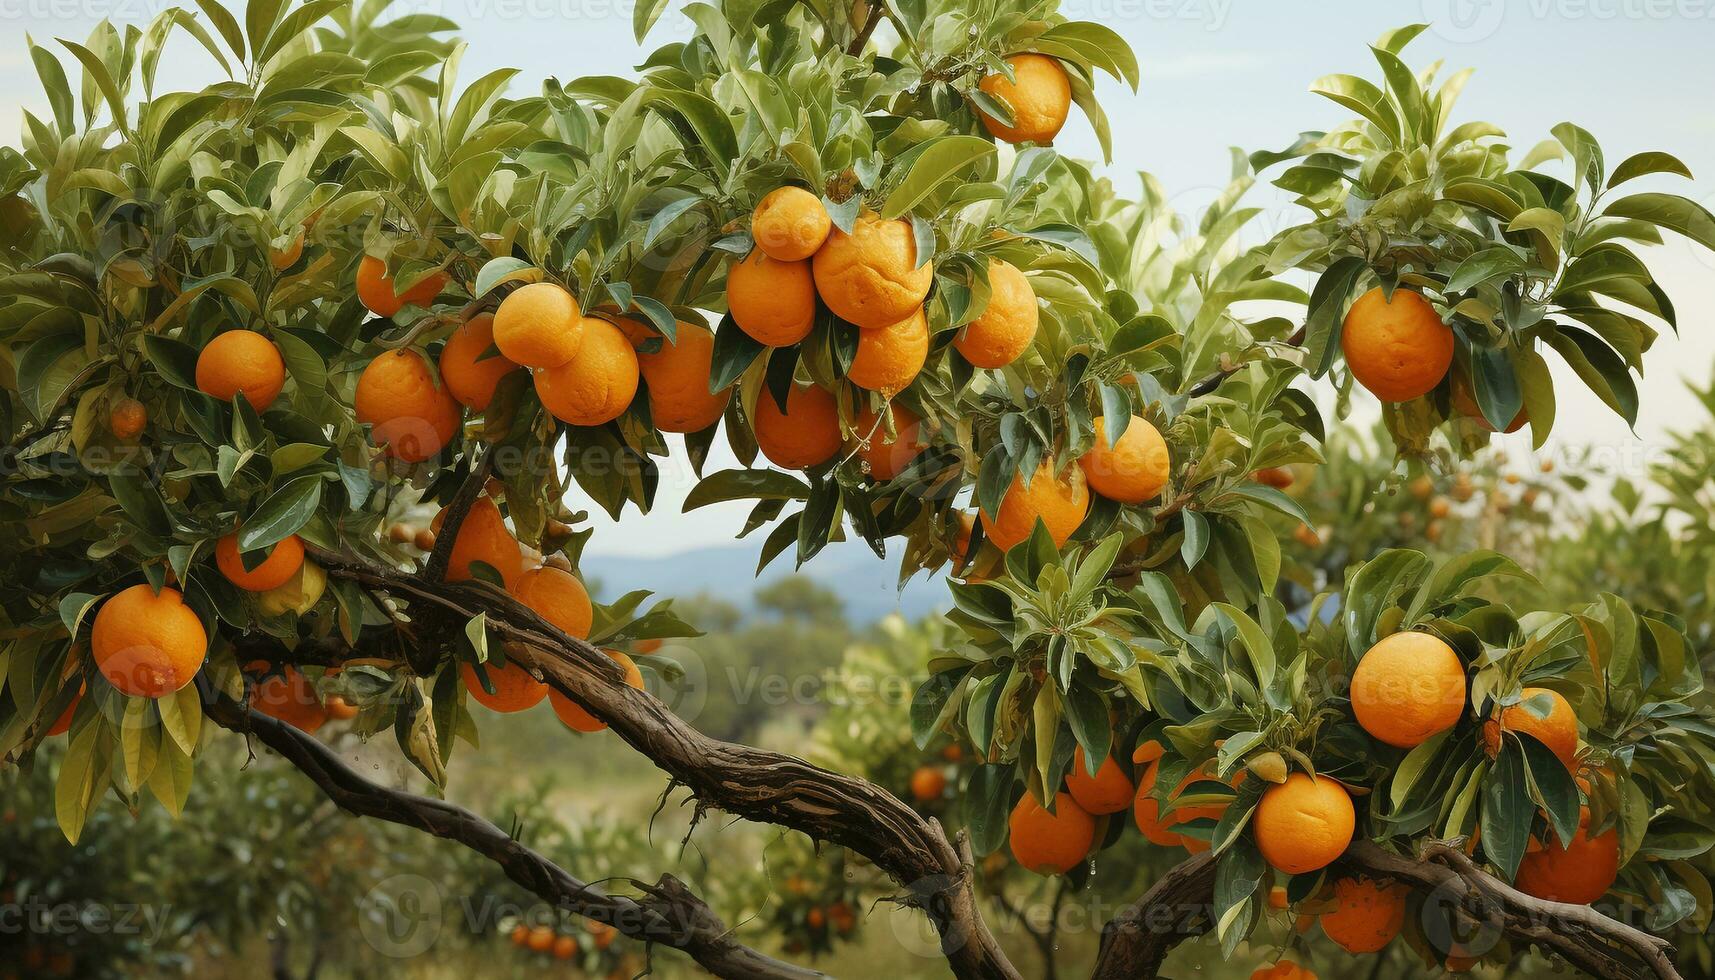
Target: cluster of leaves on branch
x=249, y=328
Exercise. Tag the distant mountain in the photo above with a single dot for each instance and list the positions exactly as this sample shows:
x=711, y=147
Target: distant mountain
x=728, y=572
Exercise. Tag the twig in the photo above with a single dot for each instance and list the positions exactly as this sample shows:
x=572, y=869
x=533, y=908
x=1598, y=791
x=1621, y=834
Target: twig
x=435, y=569
x=670, y=914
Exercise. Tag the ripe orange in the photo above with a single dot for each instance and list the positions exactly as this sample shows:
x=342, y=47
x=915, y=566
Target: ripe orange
x=375, y=288
x=596, y=386
x=1399, y=350
x=483, y=537
x=424, y=540
x=1465, y=404
x=274, y=571
x=565, y=947
x=409, y=415
x=541, y=939
x=1303, y=824
x=520, y=935
x=289, y=697
x=772, y=301
x=1440, y=507
x=1459, y=962
x=1558, y=731
x=558, y=597
x=815, y=918
x=1040, y=97
x=887, y=456
x=147, y=645
x=514, y=687
x=646, y=646
x=284, y=258
x=871, y=277
x=928, y=783
x=1367, y=914
x=573, y=716
x=539, y=325
x=1108, y=791
x=470, y=367
x=1007, y=325
x=1579, y=873
x=807, y=434
x=889, y=358
x=339, y=709
x=1050, y=843
x=127, y=419
x=1407, y=688
x=790, y=224
x=1059, y=500
x=242, y=361
x=678, y=378
x=1283, y=970
x=62, y=724
x=1133, y=469
x=1278, y=477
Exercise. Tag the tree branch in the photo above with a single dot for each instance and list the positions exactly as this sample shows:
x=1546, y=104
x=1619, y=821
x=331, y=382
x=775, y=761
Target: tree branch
x=1177, y=908
x=669, y=915
x=435, y=569
x=758, y=785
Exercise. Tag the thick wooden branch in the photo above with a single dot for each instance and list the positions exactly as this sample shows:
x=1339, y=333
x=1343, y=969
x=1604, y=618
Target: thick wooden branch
x=669, y=914
x=758, y=785
x=1178, y=906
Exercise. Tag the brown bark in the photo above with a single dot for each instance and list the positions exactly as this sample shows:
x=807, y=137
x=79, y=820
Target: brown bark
x=669, y=914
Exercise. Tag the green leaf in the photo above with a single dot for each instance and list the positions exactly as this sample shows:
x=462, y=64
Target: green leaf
x=1599, y=367
x=142, y=502
x=987, y=801
x=1196, y=538
x=226, y=24
x=1507, y=810
x=1096, y=44
x=745, y=484
x=73, y=608
x=644, y=15
x=75, y=791
x=283, y=514
x=1488, y=265
x=943, y=160
x=1670, y=211
x=1652, y=162
x=504, y=269
x=103, y=81
x=56, y=87
x=1327, y=311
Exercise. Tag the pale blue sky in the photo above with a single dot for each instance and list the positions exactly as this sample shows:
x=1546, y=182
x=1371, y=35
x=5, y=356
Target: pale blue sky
x=1637, y=73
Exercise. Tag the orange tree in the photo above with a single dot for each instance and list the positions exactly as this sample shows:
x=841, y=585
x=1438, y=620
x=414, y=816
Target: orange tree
x=247, y=326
